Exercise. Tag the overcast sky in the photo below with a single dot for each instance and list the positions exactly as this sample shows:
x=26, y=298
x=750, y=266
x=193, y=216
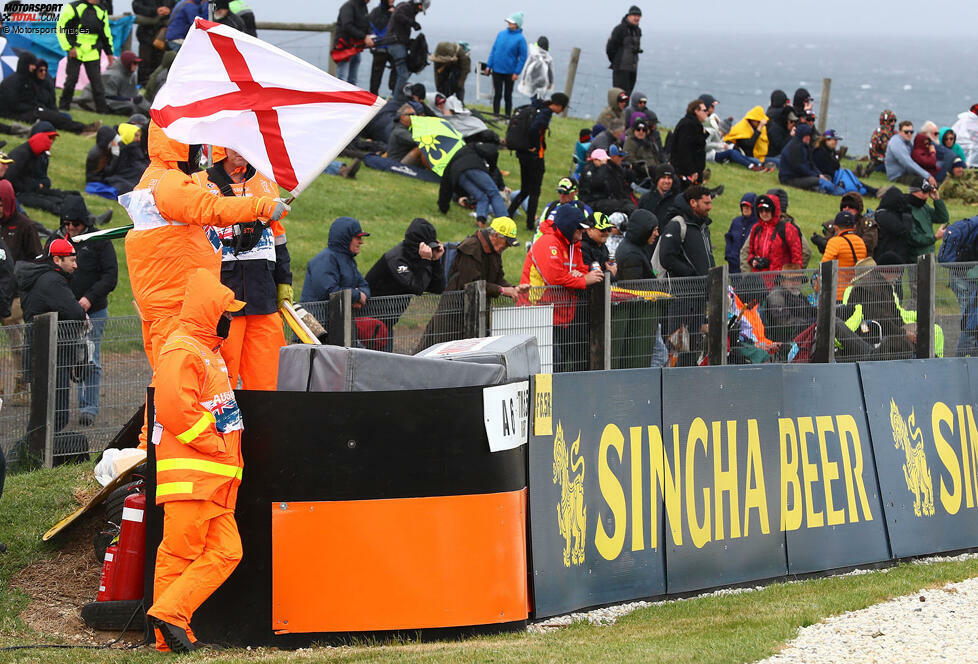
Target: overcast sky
x=866, y=18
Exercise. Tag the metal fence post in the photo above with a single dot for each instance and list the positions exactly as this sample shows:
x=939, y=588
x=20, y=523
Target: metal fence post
x=828, y=278
x=339, y=316
x=926, y=296
x=44, y=360
x=474, y=310
x=599, y=325
x=716, y=314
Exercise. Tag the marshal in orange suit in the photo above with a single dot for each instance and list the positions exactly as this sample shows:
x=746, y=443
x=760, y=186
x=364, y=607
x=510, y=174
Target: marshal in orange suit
x=198, y=462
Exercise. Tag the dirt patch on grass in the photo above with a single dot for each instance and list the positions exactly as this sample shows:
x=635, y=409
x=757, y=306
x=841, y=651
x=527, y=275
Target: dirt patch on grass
x=59, y=586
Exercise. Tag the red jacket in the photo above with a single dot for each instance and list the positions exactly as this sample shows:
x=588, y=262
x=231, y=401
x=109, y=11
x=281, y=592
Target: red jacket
x=766, y=242
x=552, y=261
x=922, y=154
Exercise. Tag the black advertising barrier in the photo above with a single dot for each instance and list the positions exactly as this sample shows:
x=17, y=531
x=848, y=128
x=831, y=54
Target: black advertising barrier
x=595, y=539
x=923, y=425
x=721, y=425
x=418, y=460
x=751, y=472
x=830, y=509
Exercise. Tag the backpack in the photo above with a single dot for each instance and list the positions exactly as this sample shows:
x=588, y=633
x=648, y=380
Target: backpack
x=867, y=229
x=518, y=130
x=417, y=53
x=806, y=248
x=657, y=267
x=451, y=249
x=960, y=243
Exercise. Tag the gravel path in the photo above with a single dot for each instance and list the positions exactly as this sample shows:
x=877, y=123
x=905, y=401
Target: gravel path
x=929, y=626
x=932, y=626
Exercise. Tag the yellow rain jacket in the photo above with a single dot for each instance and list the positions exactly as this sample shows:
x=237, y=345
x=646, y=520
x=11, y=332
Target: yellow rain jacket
x=743, y=131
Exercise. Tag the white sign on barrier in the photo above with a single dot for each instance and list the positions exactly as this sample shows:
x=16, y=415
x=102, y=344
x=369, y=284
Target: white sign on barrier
x=506, y=411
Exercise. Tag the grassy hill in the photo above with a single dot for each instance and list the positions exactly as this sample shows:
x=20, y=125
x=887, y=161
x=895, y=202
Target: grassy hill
x=385, y=203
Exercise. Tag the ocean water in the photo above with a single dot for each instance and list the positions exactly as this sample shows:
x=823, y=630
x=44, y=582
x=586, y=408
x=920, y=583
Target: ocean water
x=919, y=78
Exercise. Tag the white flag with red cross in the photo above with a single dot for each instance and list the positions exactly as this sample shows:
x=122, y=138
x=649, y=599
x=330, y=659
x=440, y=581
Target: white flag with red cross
x=285, y=116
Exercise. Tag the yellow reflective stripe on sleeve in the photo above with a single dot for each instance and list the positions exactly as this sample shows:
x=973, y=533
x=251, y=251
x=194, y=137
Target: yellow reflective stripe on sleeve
x=202, y=465
x=198, y=428
x=171, y=488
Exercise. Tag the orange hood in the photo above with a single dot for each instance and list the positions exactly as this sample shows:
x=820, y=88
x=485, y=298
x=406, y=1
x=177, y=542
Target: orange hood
x=205, y=302
x=165, y=151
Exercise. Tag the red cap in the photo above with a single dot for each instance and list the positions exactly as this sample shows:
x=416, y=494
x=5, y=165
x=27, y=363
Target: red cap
x=61, y=247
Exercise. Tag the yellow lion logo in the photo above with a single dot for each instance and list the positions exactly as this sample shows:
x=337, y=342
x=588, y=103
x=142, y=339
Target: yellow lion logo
x=571, y=511
x=915, y=469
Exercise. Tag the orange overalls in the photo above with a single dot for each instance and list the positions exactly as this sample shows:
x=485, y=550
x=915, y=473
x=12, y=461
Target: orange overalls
x=251, y=350
x=198, y=458
x=167, y=243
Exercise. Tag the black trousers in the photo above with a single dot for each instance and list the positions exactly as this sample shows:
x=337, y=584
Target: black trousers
x=532, y=169
x=49, y=200
x=502, y=88
x=94, y=74
x=151, y=56
x=624, y=80
x=377, y=67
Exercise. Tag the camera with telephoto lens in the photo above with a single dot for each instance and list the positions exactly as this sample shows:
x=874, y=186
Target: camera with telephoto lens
x=762, y=263
x=927, y=187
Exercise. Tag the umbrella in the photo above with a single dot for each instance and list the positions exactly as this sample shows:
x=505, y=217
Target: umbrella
x=8, y=59
x=438, y=140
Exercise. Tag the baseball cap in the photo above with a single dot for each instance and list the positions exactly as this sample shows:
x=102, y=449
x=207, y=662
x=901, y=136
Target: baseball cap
x=61, y=247
x=831, y=133
x=599, y=154
x=641, y=124
x=765, y=204
x=566, y=186
x=615, y=151
x=709, y=100
x=845, y=220
x=601, y=222
x=958, y=161
x=622, y=96
x=507, y=228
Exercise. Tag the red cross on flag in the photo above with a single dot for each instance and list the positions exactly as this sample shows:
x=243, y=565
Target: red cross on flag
x=285, y=116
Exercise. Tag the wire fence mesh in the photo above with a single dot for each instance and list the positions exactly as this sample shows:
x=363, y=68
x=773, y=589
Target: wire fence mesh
x=101, y=378
x=956, y=308
x=775, y=313
x=876, y=313
x=101, y=371
x=559, y=319
x=407, y=324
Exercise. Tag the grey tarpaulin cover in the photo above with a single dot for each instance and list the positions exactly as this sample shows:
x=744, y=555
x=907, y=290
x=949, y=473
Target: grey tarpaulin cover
x=518, y=353
x=303, y=368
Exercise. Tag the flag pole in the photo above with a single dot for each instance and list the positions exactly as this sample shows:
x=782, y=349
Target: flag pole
x=210, y=148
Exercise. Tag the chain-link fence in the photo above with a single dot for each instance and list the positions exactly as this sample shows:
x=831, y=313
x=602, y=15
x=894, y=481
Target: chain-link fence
x=407, y=324
x=956, y=309
x=772, y=318
x=100, y=370
x=640, y=319
x=876, y=313
x=559, y=319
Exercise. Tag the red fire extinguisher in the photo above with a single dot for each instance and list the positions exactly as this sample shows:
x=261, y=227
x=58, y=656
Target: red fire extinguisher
x=128, y=581
x=108, y=574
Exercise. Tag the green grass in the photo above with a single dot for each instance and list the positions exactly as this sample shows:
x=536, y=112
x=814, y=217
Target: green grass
x=386, y=203
x=731, y=628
